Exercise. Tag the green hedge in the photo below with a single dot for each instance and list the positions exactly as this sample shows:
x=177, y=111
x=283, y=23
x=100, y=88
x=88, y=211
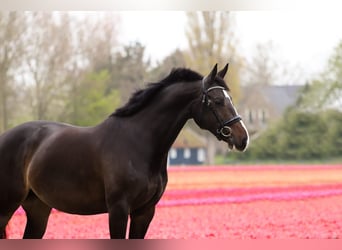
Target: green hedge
x=299, y=135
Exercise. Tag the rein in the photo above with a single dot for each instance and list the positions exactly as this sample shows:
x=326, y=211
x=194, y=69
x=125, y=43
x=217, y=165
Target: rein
x=224, y=130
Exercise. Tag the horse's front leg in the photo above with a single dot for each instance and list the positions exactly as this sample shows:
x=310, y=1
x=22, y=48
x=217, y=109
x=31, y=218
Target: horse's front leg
x=118, y=217
x=140, y=221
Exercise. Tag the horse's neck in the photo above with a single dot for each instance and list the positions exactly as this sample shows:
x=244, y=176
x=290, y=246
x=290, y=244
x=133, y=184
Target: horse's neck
x=160, y=123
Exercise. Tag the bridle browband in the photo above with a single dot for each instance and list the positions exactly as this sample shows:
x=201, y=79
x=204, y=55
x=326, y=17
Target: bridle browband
x=224, y=129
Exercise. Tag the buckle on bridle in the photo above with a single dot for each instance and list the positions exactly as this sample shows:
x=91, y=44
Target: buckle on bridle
x=225, y=131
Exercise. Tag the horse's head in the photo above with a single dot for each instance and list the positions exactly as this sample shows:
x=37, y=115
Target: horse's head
x=217, y=113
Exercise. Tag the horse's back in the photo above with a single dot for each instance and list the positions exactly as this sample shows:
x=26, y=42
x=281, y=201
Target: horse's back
x=18, y=144
x=24, y=139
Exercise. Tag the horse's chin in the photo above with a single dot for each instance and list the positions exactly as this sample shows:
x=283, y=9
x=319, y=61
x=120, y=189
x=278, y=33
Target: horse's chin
x=240, y=147
x=230, y=143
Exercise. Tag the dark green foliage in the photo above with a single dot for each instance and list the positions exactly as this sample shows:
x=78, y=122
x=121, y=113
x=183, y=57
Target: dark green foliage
x=333, y=136
x=300, y=135
x=326, y=90
x=92, y=102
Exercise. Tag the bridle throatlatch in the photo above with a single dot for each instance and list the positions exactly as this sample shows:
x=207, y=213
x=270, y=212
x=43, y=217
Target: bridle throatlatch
x=224, y=130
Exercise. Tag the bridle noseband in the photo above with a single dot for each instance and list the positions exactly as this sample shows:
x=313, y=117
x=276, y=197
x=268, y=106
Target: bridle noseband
x=224, y=130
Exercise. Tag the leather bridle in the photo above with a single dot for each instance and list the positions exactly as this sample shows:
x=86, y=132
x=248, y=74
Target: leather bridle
x=224, y=130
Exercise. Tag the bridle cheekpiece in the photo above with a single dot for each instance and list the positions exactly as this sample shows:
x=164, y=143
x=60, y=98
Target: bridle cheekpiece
x=224, y=130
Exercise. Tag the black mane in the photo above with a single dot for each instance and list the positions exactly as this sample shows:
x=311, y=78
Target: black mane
x=141, y=97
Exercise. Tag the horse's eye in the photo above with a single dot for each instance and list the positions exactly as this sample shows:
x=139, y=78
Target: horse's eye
x=219, y=101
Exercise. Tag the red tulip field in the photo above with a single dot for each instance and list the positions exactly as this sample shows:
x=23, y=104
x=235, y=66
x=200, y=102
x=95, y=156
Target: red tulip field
x=228, y=202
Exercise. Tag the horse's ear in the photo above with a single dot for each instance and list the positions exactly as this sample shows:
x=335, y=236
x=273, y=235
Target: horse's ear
x=209, y=79
x=223, y=72
x=213, y=73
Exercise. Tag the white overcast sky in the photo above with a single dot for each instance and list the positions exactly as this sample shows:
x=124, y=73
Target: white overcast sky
x=302, y=37
x=304, y=31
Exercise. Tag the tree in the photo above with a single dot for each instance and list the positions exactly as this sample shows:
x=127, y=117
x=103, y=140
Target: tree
x=300, y=135
x=211, y=40
x=97, y=38
x=129, y=70
x=94, y=41
x=12, y=26
x=163, y=68
x=47, y=55
x=61, y=49
x=264, y=69
x=326, y=90
x=93, y=101
x=332, y=141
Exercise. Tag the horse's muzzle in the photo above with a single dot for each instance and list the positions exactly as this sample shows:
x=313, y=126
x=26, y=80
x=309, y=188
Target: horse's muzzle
x=242, y=145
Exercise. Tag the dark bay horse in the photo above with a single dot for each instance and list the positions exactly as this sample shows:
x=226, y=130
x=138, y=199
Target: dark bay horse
x=117, y=167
